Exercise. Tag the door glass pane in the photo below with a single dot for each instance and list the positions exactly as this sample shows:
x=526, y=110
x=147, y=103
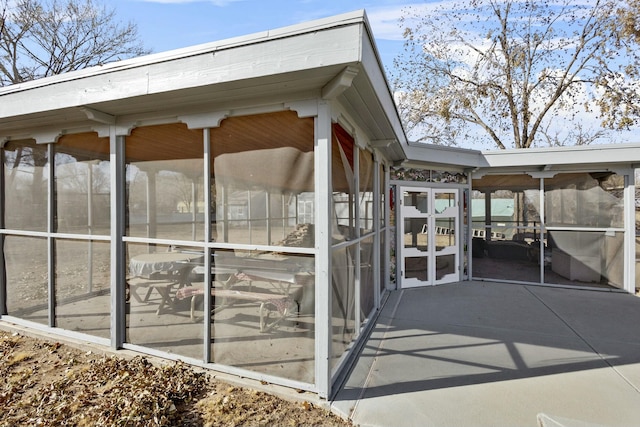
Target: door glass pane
x=445, y=265
x=444, y=201
x=417, y=200
x=445, y=232
x=416, y=234
x=416, y=269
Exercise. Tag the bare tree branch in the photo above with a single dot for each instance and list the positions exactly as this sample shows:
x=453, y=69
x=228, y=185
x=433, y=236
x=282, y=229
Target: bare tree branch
x=41, y=38
x=500, y=71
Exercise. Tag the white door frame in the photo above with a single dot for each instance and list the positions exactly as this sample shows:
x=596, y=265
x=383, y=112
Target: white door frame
x=428, y=236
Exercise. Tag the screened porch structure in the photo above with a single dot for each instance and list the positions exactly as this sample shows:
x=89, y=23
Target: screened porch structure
x=222, y=204
x=239, y=205
x=563, y=216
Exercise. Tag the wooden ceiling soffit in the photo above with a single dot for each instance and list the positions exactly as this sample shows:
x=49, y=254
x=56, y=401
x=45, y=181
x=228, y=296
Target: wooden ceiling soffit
x=84, y=146
x=527, y=182
x=235, y=134
x=163, y=142
x=505, y=182
x=263, y=131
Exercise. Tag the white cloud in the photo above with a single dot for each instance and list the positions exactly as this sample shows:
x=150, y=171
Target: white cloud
x=385, y=19
x=384, y=22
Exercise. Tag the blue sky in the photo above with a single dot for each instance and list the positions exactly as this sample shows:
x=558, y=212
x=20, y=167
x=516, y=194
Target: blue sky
x=172, y=24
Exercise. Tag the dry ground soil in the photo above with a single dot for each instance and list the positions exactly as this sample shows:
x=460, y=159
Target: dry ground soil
x=47, y=383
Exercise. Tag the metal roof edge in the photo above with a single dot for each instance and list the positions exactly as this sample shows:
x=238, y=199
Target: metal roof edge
x=348, y=18
x=444, y=147
x=591, y=154
x=571, y=148
x=442, y=154
x=374, y=46
x=373, y=69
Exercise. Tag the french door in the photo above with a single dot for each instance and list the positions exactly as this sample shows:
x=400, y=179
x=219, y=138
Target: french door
x=430, y=236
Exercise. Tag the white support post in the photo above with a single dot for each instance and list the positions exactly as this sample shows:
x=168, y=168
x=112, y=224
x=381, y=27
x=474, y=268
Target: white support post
x=488, y=222
x=118, y=303
x=206, y=355
x=387, y=229
x=629, y=233
x=376, y=238
x=469, y=236
x=322, y=165
x=542, y=231
x=3, y=271
x=51, y=213
x=397, y=206
x=358, y=227
x=90, y=226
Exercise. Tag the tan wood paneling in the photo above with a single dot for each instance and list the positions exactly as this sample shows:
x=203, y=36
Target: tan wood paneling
x=84, y=146
x=263, y=131
x=164, y=142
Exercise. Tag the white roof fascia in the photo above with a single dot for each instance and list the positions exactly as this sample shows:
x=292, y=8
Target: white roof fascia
x=204, y=48
x=431, y=154
x=558, y=156
x=375, y=72
x=300, y=47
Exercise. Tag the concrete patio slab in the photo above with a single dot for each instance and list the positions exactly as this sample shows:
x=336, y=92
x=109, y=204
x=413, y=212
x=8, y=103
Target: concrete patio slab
x=489, y=354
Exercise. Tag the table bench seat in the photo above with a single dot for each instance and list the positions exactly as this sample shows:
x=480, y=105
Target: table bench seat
x=279, y=303
x=162, y=286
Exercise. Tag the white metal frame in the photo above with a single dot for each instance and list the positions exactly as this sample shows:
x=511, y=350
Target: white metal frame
x=322, y=164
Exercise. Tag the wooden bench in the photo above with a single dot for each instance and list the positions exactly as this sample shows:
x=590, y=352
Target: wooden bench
x=268, y=302
x=162, y=286
x=163, y=283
